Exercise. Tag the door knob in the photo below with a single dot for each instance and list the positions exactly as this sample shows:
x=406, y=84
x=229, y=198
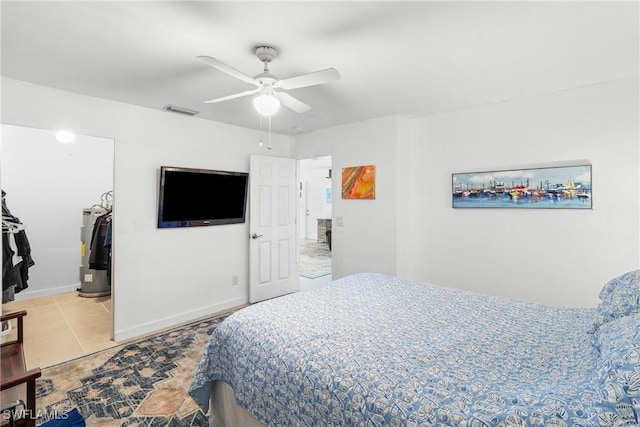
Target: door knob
x=255, y=236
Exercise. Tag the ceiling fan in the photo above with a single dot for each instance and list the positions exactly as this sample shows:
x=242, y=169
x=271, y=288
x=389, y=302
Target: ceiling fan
x=269, y=100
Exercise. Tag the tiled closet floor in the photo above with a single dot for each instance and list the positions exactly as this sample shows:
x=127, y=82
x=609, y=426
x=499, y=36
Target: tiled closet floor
x=63, y=327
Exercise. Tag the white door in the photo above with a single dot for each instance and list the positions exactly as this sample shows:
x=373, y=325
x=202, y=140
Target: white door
x=273, y=247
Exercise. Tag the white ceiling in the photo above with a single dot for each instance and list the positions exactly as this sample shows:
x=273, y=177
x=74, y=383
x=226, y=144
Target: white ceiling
x=410, y=58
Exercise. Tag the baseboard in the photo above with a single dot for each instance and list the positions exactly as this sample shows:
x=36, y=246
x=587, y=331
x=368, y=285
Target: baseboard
x=176, y=320
x=28, y=294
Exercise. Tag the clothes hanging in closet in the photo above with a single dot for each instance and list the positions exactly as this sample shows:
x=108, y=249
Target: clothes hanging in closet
x=100, y=247
x=16, y=254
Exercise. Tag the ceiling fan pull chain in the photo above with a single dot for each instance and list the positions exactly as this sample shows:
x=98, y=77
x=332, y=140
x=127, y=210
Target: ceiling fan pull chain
x=261, y=133
x=269, y=146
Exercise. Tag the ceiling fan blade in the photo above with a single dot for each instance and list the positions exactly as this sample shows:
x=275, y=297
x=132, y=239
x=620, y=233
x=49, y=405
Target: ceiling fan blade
x=237, y=95
x=216, y=63
x=311, y=79
x=291, y=102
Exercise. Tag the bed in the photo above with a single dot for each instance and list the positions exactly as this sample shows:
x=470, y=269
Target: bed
x=377, y=350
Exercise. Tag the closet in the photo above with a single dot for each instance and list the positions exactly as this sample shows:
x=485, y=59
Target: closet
x=49, y=185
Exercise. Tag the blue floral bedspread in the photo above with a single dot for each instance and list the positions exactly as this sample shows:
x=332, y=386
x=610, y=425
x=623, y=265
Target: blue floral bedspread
x=377, y=350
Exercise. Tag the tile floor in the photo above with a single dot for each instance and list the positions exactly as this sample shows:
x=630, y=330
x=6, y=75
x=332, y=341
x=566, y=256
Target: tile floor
x=63, y=327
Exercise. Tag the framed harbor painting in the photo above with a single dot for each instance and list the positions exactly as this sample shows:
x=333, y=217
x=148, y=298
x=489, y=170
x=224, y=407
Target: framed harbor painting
x=561, y=187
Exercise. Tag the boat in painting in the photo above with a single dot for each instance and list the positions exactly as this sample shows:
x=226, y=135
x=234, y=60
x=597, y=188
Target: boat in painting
x=531, y=188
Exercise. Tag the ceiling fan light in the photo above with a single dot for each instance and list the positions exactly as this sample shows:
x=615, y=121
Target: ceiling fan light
x=267, y=105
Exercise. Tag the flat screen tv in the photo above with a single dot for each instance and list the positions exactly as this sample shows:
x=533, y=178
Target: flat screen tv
x=201, y=197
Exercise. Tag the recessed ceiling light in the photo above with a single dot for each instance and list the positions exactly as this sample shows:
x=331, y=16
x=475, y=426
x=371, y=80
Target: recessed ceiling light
x=65, y=136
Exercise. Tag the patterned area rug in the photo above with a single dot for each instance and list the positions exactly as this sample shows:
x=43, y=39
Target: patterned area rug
x=315, y=259
x=143, y=383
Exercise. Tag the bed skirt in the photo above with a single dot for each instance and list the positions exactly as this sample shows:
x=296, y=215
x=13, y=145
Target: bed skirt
x=223, y=410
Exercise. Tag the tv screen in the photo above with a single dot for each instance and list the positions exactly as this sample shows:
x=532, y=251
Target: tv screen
x=201, y=197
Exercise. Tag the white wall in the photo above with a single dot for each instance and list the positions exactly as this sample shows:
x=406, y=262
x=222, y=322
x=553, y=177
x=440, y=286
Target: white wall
x=48, y=184
x=558, y=257
x=162, y=276
x=366, y=241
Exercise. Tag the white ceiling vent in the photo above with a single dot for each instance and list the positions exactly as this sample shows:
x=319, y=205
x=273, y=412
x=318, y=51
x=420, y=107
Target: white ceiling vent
x=180, y=110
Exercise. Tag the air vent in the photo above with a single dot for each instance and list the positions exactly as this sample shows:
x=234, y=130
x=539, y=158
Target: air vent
x=180, y=110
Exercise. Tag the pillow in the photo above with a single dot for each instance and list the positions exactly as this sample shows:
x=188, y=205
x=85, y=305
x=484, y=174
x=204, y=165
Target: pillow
x=625, y=279
x=619, y=369
x=617, y=334
x=620, y=297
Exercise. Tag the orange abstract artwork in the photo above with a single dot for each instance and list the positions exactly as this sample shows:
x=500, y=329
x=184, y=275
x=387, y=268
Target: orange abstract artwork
x=359, y=182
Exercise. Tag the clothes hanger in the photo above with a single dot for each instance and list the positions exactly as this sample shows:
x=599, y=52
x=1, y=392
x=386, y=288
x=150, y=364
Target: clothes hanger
x=106, y=200
x=9, y=226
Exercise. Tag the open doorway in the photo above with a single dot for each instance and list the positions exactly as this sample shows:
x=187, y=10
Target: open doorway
x=49, y=183
x=315, y=225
